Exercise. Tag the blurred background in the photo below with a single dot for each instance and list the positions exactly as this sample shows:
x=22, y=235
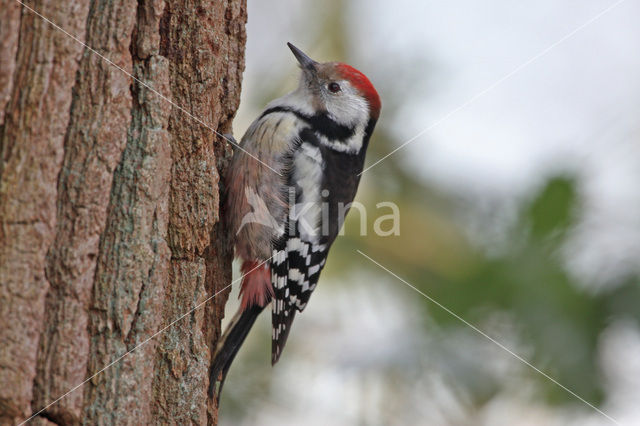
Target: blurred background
x=519, y=211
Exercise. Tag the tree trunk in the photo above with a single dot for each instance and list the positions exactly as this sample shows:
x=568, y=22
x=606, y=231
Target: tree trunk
x=109, y=206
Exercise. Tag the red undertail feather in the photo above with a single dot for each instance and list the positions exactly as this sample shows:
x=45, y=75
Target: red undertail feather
x=362, y=83
x=256, y=288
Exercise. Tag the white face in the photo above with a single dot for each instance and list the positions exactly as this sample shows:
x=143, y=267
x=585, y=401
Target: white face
x=342, y=102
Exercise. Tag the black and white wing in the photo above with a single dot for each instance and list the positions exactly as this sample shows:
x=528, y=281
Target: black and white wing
x=299, y=255
x=323, y=179
x=295, y=270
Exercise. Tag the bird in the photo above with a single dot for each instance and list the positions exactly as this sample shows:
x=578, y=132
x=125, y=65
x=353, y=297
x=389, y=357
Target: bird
x=287, y=191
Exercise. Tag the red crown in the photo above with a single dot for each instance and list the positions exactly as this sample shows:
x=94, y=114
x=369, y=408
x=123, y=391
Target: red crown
x=362, y=83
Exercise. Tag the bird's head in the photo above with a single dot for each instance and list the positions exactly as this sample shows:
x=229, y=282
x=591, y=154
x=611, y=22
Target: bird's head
x=342, y=91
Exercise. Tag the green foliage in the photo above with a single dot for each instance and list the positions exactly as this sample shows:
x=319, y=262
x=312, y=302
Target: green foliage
x=553, y=208
x=557, y=318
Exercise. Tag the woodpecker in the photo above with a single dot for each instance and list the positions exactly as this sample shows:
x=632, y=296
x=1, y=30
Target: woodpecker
x=286, y=209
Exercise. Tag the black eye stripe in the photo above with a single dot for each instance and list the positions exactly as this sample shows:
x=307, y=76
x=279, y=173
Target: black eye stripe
x=333, y=87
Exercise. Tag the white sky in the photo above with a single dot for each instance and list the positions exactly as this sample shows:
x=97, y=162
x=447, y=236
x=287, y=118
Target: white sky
x=554, y=112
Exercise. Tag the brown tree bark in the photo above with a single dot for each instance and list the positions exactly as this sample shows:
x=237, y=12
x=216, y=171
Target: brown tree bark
x=109, y=206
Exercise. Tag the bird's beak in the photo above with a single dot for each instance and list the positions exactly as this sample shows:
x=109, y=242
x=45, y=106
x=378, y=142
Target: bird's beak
x=305, y=61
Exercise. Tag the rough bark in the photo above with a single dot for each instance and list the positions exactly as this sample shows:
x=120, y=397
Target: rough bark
x=109, y=197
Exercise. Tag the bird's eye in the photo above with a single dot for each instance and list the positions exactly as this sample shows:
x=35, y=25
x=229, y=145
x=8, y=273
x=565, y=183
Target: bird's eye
x=333, y=87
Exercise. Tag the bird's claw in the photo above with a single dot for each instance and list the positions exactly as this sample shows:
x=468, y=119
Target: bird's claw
x=229, y=138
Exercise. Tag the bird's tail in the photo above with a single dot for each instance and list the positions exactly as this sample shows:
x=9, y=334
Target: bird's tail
x=256, y=293
x=228, y=347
